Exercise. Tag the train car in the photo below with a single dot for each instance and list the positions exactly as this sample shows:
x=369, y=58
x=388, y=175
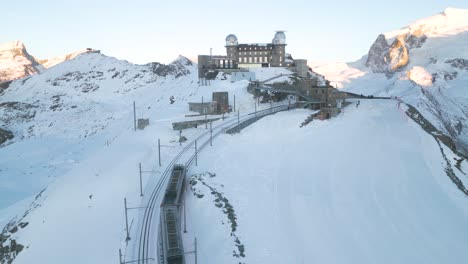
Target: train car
x=174, y=187
x=171, y=238
x=173, y=250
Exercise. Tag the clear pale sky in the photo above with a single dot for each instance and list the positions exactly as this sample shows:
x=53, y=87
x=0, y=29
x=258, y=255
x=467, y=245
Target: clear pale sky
x=141, y=31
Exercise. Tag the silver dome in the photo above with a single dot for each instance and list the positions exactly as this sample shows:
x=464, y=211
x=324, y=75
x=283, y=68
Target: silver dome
x=231, y=40
x=280, y=38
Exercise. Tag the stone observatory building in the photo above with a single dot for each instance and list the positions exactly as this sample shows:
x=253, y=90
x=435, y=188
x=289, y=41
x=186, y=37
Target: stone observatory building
x=257, y=54
x=247, y=55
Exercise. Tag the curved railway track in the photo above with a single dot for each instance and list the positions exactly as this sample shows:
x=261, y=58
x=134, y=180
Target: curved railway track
x=147, y=241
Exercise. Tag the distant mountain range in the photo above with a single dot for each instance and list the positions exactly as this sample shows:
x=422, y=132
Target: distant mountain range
x=425, y=64
x=16, y=62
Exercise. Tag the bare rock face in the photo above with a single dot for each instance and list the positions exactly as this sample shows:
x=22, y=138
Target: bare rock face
x=177, y=68
x=398, y=54
x=385, y=58
x=15, y=61
x=378, y=55
x=458, y=63
x=5, y=135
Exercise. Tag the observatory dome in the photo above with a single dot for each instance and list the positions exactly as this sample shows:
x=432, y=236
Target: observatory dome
x=231, y=40
x=280, y=38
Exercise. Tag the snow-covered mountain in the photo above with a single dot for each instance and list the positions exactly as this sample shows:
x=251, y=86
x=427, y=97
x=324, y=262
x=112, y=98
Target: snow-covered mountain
x=358, y=184
x=425, y=64
x=73, y=127
x=79, y=91
x=16, y=62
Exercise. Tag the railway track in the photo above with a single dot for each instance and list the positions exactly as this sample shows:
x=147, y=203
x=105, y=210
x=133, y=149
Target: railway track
x=148, y=231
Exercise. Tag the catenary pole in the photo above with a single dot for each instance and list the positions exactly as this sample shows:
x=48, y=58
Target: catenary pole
x=196, y=254
x=126, y=220
x=211, y=133
x=159, y=151
x=141, y=180
x=134, y=116
x=238, y=121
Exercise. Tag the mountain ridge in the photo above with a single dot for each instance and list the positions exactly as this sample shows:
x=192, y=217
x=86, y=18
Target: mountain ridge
x=425, y=64
x=16, y=62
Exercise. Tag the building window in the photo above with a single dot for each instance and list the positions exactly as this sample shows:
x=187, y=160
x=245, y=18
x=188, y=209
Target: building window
x=250, y=59
x=261, y=59
x=255, y=59
x=266, y=59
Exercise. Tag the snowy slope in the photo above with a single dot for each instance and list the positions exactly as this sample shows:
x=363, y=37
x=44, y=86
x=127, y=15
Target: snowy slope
x=425, y=64
x=73, y=127
x=365, y=187
x=291, y=195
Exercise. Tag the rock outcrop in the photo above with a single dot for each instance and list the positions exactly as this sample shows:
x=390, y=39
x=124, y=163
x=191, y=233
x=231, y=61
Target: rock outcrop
x=16, y=62
x=385, y=58
x=177, y=68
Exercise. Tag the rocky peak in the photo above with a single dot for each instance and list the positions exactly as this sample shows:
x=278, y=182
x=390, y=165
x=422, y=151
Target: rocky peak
x=378, y=55
x=12, y=45
x=388, y=58
x=179, y=67
x=15, y=61
x=182, y=60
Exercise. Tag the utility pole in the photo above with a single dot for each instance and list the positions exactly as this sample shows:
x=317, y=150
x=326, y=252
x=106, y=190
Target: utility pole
x=196, y=255
x=206, y=121
x=159, y=151
x=141, y=184
x=120, y=256
x=134, y=116
x=196, y=154
x=234, y=103
x=126, y=220
x=185, y=217
x=238, y=121
x=255, y=109
x=211, y=133
x=180, y=137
